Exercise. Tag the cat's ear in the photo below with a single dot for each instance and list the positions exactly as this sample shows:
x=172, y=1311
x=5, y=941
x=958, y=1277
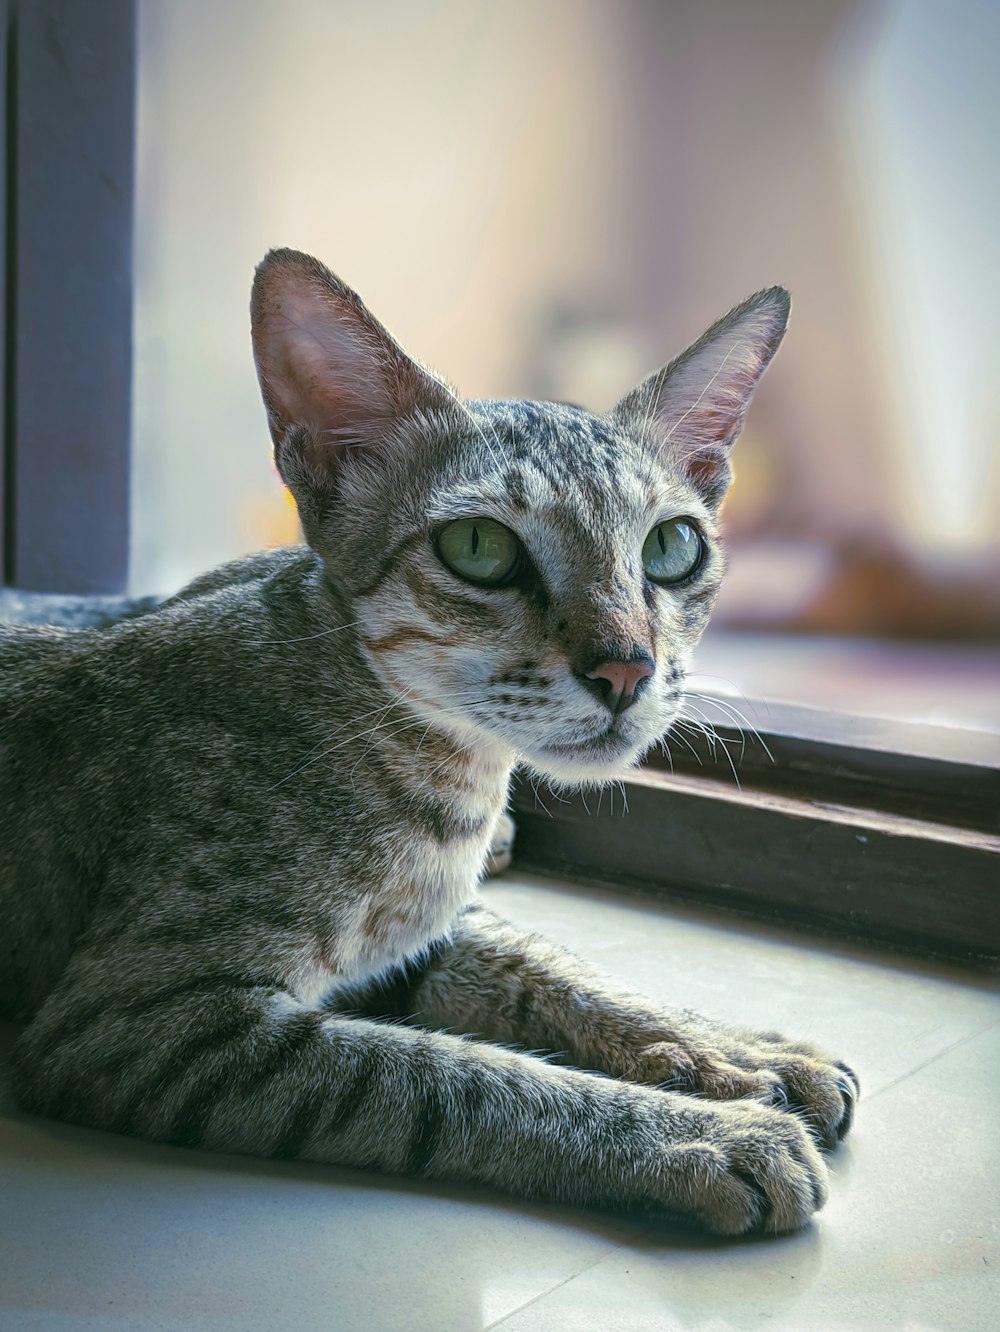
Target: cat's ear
x=332, y=377
x=694, y=407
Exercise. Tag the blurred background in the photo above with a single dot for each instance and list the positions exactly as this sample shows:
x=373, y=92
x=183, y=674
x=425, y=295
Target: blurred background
x=549, y=198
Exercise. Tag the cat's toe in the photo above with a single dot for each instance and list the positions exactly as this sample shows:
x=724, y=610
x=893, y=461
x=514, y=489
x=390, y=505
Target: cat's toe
x=822, y=1096
x=757, y=1169
x=820, y=1091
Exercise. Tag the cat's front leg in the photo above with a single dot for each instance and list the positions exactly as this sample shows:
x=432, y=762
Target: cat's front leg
x=229, y=1063
x=498, y=982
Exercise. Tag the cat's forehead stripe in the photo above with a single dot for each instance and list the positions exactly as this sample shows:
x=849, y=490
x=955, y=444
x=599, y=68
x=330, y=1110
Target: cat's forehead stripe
x=550, y=456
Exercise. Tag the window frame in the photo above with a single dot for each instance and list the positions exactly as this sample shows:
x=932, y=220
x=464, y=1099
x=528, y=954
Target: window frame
x=860, y=828
x=867, y=829
x=69, y=83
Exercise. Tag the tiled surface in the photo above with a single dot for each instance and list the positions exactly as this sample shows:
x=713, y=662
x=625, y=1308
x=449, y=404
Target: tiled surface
x=100, y=1232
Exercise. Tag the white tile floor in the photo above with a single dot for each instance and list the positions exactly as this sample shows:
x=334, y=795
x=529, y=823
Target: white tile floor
x=101, y=1232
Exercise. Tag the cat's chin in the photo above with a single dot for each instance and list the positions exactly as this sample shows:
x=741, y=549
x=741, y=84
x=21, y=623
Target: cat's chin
x=592, y=762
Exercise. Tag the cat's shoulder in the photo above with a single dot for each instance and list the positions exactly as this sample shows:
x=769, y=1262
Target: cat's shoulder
x=285, y=564
x=270, y=590
x=257, y=597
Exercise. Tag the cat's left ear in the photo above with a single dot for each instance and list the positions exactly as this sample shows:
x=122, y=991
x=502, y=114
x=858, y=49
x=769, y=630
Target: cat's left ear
x=694, y=407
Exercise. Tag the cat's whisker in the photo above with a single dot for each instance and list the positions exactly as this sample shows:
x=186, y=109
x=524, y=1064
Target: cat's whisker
x=740, y=720
x=479, y=431
x=306, y=638
x=702, y=725
x=379, y=711
x=664, y=748
x=382, y=724
x=422, y=739
x=316, y=758
x=428, y=775
x=698, y=728
x=688, y=745
x=741, y=731
x=714, y=740
x=349, y=740
x=711, y=737
x=388, y=730
x=538, y=799
x=694, y=677
x=550, y=788
x=709, y=730
x=469, y=698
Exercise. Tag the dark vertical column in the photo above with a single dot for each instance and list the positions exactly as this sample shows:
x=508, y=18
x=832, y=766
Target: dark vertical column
x=70, y=180
x=5, y=56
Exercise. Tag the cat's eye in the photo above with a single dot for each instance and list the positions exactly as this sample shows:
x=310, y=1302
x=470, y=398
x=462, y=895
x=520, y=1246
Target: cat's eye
x=672, y=551
x=480, y=550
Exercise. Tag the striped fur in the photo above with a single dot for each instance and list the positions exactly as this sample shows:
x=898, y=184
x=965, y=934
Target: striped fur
x=238, y=902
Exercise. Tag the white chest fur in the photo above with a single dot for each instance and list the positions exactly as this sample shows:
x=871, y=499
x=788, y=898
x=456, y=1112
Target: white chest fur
x=387, y=922
x=415, y=906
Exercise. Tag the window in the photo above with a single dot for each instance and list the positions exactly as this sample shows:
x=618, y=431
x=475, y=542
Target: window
x=559, y=242
x=872, y=829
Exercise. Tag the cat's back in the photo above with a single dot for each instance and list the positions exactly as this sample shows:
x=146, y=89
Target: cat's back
x=96, y=723
x=25, y=651
x=84, y=698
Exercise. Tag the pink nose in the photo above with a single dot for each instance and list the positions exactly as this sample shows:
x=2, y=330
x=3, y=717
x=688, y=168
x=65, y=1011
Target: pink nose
x=620, y=680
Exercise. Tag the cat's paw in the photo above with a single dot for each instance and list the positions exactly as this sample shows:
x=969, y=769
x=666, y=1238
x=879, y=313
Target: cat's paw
x=728, y=1066
x=747, y=1167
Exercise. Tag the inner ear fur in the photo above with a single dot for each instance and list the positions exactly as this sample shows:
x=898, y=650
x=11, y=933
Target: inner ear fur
x=331, y=375
x=694, y=408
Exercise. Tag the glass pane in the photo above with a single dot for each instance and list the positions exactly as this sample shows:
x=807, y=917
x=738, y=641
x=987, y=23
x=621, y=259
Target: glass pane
x=550, y=201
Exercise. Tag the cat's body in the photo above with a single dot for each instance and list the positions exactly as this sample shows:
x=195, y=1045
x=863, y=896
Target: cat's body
x=386, y=889
x=245, y=827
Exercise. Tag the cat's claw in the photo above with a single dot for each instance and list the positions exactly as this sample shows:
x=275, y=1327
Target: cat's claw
x=849, y=1091
x=788, y=1076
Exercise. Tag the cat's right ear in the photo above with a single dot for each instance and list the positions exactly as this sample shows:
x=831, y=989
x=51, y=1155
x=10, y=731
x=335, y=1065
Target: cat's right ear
x=333, y=378
x=694, y=408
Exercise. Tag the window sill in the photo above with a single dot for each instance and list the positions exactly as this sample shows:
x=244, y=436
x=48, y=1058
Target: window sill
x=868, y=830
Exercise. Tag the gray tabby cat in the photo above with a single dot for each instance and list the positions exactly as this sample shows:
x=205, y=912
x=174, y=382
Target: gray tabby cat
x=243, y=832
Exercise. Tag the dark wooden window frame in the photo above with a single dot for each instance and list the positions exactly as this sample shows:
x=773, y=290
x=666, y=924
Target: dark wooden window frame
x=863, y=828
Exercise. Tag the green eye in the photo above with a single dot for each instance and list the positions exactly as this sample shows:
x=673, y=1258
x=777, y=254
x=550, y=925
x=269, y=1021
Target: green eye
x=479, y=549
x=672, y=551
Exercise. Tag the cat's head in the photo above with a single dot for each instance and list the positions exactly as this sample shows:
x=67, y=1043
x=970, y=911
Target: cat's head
x=528, y=576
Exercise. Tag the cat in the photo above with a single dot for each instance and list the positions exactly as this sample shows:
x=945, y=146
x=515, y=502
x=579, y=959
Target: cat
x=244, y=830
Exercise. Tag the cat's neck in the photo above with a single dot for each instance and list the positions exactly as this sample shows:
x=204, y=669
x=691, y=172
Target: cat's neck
x=410, y=745
x=465, y=774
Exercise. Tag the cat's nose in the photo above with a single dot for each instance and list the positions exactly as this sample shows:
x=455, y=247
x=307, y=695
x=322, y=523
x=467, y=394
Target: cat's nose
x=617, y=681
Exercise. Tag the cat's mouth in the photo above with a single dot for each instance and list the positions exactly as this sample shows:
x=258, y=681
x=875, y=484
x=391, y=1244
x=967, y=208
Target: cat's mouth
x=608, y=746
x=600, y=757
x=606, y=742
